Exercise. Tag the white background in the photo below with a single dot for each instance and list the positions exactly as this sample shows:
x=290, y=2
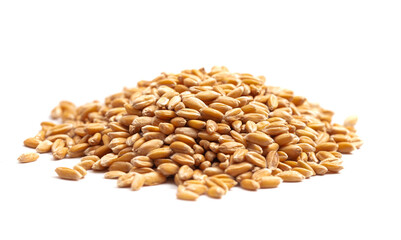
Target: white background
x=345, y=55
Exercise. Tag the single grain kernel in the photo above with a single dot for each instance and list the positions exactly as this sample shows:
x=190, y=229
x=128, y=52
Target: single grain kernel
x=291, y=176
x=250, y=184
x=68, y=173
x=270, y=182
x=28, y=157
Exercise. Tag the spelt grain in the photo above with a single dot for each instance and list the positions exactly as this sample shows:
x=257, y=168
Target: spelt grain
x=154, y=178
x=68, y=173
x=28, y=157
x=80, y=169
x=31, y=142
x=250, y=184
x=291, y=176
x=168, y=169
x=196, y=188
x=44, y=146
x=184, y=194
x=137, y=182
x=215, y=192
x=269, y=182
x=86, y=164
x=113, y=174
x=346, y=147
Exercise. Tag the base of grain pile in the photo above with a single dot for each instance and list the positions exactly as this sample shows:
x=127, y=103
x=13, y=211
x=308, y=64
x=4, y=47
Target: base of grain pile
x=209, y=131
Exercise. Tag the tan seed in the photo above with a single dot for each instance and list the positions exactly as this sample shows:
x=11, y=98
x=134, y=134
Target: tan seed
x=120, y=166
x=216, y=181
x=291, y=176
x=183, y=159
x=306, y=147
x=272, y=102
x=189, y=113
x=125, y=180
x=284, y=166
x=143, y=101
x=44, y=146
x=166, y=128
x=196, y=188
x=31, y=142
x=207, y=95
x=108, y=159
x=80, y=169
x=322, y=155
x=178, y=121
x=57, y=145
x=68, y=173
x=259, y=138
x=86, y=164
x=180, y=147
x=346, y=147
x=148, y=146
x=332, y=167
x=113, y=174
x=154, y=178
x=137, y=182
x=304, y=164
x=210, y=113
x=211, y=171
x=141, y=161
x=215, y=192
x=97, y=166
x=237, y=169
x=272, y=160
x=327, y=146
x=234, y=114
x=28, y=157
x=256, y=159
x=194, y=103
x=230, y=147
x=274, y=131
x=187, y=131
x=160, y=153
x=350, y=121
x=250, y=127
x=239, y=155
x=270, y=182
x=292, y=151
x=307, y=173
x=341, y=138
x=59, y=129
x=92, y=157
x=319, y=169
x=184, y=194
x=93, y=128
x=185, y=172
x=250, y=184
x=197, y=124
x=168, y=169
x=259, y=174
x=165, y=114
x=211, y=126
x=78, y=148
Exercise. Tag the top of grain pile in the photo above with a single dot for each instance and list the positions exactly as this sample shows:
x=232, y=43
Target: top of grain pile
x=208, y=131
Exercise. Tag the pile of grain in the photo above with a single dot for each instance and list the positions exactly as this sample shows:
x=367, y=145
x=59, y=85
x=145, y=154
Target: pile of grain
x=207, y=131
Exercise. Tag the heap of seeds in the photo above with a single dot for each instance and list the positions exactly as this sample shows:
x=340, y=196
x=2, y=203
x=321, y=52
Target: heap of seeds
x=207, y=131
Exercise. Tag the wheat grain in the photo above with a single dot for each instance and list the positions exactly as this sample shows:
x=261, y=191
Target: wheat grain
x=28, y=157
